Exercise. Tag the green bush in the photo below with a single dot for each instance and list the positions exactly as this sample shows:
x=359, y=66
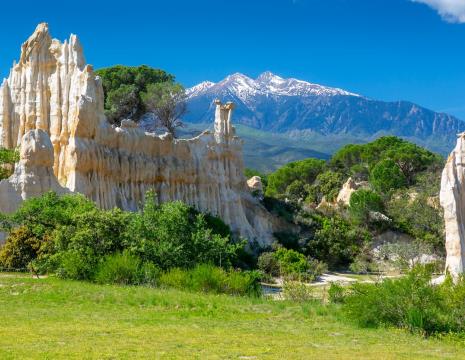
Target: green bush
x=387, y=176
x=304, y=170
x=362, y=202
x=20, y=249
x=337, y=242
x=119, y=268
x=410, y=302
x=269, y=264
x=211, y=279
x=175, y=235
x=122, y=87
x=295, y=266
x=336, y=293
x=297, y=291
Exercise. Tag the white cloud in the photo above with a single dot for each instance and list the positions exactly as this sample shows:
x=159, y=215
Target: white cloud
x=450, y=10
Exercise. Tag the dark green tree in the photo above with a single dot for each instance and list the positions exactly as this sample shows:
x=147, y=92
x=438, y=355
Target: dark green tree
x=387, y=176
x=122, y=86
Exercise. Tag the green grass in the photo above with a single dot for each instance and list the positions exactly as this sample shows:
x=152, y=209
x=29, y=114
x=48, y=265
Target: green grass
x=53, y=319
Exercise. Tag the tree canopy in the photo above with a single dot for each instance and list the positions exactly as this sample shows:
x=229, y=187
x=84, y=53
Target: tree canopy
x=122, y=87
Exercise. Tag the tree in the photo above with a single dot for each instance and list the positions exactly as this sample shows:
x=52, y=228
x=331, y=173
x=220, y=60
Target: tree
x=122, y=88
x=167, y=102
x=305, y=170
x=8, y=158
x=387, y=176
x=362, y=202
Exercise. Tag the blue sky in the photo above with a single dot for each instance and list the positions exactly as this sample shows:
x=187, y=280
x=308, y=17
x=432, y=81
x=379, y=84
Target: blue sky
x=384, y=49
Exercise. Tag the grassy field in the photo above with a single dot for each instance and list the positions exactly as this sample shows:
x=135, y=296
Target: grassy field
x=53, y=319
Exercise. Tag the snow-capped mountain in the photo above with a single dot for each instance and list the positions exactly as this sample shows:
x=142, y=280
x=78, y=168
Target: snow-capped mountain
x=273, y=104
x=267, y=84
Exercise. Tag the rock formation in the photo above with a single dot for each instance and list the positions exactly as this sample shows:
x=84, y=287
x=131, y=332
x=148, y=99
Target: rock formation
x=452, y=198
x=51, y=107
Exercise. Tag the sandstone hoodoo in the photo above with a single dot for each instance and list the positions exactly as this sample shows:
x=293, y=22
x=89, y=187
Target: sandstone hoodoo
x=51, y=108
x=452, y=199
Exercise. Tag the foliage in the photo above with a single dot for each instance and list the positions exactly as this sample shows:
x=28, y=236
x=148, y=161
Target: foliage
x=336, y=293
x=297, y=291
x=20, y=249
x=386, y=176
x=167, y=102
x=362, y=203
x=304, y=170
x=337, y=242
x=210, y=279
x=119, y=268
x=327, y=185
x=413, y=214
x=410, y=302
x=174, y=235
x=405, y=255
x=8, y=158
x=269, y=264
x=294, y=265
x=409, y=157
x=123, y=85
x=69, y=236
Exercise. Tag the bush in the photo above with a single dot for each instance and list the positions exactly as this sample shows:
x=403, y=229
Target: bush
x=304, y=170
x=297, y=291
x=336, y=293
x=122, y=87
x=292, y=263
x=120, y=268
x=387, y=176
x=362, y=202
x=411, y=302
x=337, y=242
x=211, y=279
x=175, y=235
x=269, y=264
x=20, y=249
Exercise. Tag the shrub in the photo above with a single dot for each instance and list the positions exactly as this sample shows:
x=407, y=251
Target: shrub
x=174, y=278
x=243, y=283
x=291, y=263
x=411, y=302
x=336, y=293
x=175, y=235
x=297, y=291
x=20, y=249
x=337, y=242
x=122, y=87
x=304, y=170
x=269, y=264
x=76, y=265
x=120, y=268
x=211, y=279
x=386, y=176
x=362, y=202
x=149, y=274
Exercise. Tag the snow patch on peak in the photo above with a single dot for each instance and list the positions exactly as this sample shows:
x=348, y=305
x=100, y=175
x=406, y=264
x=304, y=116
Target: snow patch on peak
x=199, y=88
x=267, y=84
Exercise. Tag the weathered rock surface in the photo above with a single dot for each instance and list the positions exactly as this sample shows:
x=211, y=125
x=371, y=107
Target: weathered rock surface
x=51, y=106
x=255, y=184
x=452, y=198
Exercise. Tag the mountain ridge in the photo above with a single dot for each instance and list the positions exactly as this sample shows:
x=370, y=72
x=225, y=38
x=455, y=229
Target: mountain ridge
x=274, y=104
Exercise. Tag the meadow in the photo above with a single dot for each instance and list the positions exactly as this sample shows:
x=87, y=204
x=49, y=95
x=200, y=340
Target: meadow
x=49, y=318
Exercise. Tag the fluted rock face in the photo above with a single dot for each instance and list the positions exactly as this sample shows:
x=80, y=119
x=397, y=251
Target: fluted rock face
x=52, y=98
x=452, y=198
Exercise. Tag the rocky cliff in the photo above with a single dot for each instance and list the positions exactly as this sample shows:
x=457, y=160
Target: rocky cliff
x=51, y=107
x=452, y=198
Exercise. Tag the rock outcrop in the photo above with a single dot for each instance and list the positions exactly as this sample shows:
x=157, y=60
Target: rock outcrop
x=452, y=199
x=51, y=106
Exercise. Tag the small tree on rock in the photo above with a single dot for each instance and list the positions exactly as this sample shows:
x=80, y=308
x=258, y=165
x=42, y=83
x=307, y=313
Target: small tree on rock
x=167, y=102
